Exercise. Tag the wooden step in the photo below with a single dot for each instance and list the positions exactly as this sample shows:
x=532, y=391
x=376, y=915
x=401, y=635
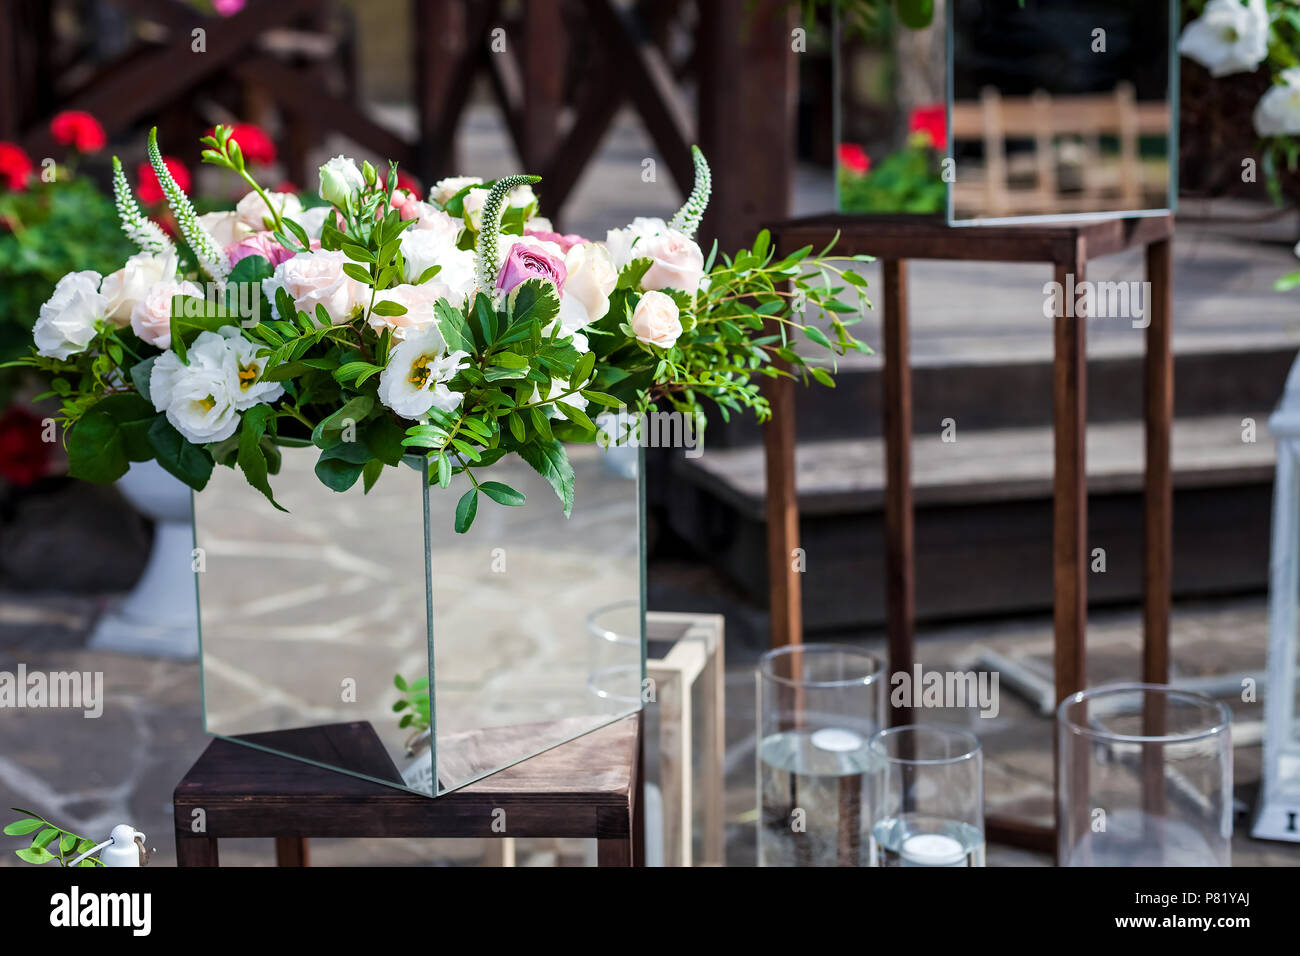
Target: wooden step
x=984, y=518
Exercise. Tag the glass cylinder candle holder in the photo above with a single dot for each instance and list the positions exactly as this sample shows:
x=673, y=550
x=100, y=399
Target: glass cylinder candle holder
x=818, y=707
x=930, y=798
x=1145, y=778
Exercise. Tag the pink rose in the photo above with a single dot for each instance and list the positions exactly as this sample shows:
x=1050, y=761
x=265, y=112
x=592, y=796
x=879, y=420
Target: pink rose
x=563, y=240
x=418, y=301
x=526, y=261
x=151, y=319
x=316, y=278
x=656, y=320
x=260, y=244
x=678, y=262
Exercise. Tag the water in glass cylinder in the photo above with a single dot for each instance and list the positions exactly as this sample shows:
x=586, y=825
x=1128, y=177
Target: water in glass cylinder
x=914, y=839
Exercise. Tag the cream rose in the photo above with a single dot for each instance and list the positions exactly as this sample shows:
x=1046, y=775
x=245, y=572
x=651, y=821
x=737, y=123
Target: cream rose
x=444, y=189
x=316, y=278
x=66, y=323
x=340, y=182
x=125, y=288
x=1278, y=111
x=151, y=319
x=590, y=282
x=678, y=262
x=255, y=214
x=225, y=227
x=418, y=300
x=657, y=320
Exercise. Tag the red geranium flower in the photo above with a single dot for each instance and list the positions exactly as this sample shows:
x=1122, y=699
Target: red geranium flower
x=15, y=167
x=253, y=143
x=79, y=130
x=854, y=157
x=24, y=455
x=150, y=190
x=932, y=121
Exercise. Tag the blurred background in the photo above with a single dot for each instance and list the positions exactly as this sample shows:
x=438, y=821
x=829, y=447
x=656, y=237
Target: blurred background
x=797, y=114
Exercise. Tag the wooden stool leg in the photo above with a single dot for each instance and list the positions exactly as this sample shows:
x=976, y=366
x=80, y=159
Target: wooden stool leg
x=1158, y=384
x=900, y=550
x=292, y=851
x=1070, y=492
x=194, y=850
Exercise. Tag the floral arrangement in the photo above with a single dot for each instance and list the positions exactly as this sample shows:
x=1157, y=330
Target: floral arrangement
x=1240, y=36
x=447, y=331
x=908, y=180
x=52, y=220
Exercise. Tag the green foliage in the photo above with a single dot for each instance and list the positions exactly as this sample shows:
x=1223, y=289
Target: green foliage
x=48, y=841
x=414, y=703
x=905, y=181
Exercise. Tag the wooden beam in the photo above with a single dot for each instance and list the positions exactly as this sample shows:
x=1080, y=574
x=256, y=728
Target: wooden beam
x=1158, y=388
x=785, y=600
x=439, y=44
x=544, y=55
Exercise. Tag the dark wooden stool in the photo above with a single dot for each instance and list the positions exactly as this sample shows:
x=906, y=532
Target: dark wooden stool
x=1067, y=248
x=588, y=787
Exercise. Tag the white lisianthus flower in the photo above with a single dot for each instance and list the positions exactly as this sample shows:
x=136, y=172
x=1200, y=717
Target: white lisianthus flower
x=556, y=393
x=125, y=288
x=656, y=320
x=521, y=197
x=243, y=369
x=313, y=220
x=151, y=319
x=340, y=182
x=66, y=323
x=418, y=300
x=317, y=278
x=1278, y=111
x=589, y=284
x=444, y=189
x=417, y=374
x=423, y=248
x=197, y=397
x=623, y=244
x=254, y=213
x=225, y=227
x=1228, y=37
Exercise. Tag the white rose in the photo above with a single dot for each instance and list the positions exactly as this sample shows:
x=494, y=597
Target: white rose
x=151, y=319
x=418, y=300
x=225, y=227
x=255, y=214
x=316, y=278
x=539, y=224
x=444, y=225
x=590, y=282
x=657, y=320
x=1227, y=37
x=423, y=248
x=678, y=262
x=340, y=182
x=624, y=244
x=1278, y=111
x=417, y=374
x=128, y=285
x=197, y=396
x=66, y=323
x=243, y=369
x=444, y=189
x=313, y=220
x=521, y=197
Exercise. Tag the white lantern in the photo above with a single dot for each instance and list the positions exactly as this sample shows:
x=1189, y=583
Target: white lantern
x=1278, y=815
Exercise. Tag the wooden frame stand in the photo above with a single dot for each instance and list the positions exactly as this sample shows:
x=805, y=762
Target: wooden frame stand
x=1067, y=248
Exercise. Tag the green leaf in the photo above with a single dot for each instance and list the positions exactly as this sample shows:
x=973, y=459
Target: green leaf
x=388, y=307
x=455, y=330
x=370, y=473
x=533, y=300
x=358, y=273
x=67, y=842
x=329, y=432
x=335, y=472
x=383, y=437
x=45, y=837
x=108, y=437
x=466, y=508
x=510, y=360
x=601, y=398
x=502, y=493
x=575, y=415
x=549, y=460
x=817, y=335
x=34, y=855
x=487, y=320
x=252, y=459
x=250, y=269
x=23, y=827
x=516, y=426
x=192, y=315
x=140, y=373
x=187, y=462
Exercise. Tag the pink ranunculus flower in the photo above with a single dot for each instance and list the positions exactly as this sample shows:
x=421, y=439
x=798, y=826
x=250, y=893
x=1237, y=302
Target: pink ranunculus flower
x=565, y=241
x=527, y=261
x=260, y=244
